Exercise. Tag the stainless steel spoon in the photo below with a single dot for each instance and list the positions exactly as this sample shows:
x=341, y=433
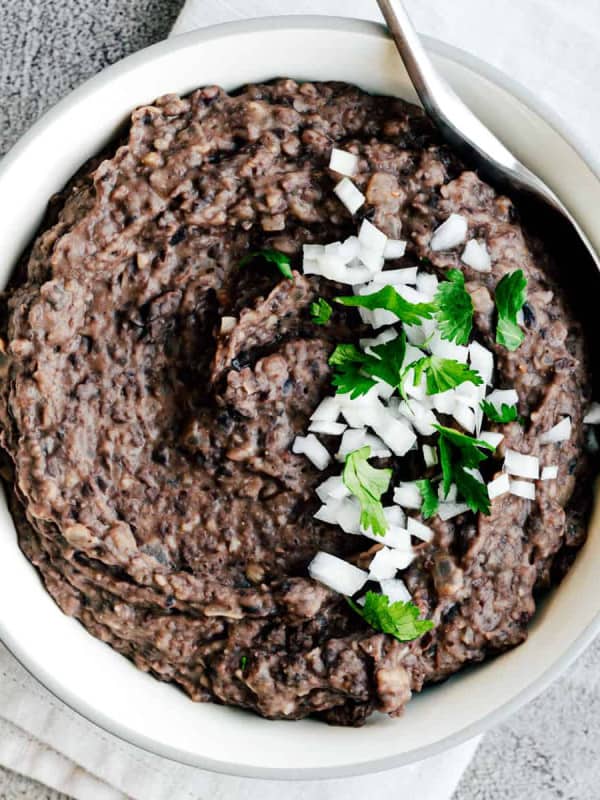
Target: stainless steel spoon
x=480, y=148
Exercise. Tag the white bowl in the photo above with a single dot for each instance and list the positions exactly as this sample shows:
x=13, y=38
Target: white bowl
x=104, y=686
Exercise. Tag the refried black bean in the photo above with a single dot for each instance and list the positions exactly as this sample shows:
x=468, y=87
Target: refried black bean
x=157, y=492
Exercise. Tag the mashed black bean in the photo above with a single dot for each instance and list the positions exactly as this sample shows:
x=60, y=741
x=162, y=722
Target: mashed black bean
x=154, y=486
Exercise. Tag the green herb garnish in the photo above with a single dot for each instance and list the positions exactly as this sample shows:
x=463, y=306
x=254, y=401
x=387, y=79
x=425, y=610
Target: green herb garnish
x=510, y=299
x=506, y=414
x=367, y=484
x=281, y=260
x=355, y=371
x=243, y=662
x=431, y=501
x=443, y=373
x=400, y=619
x=320, y=311
x=457, y=451
x=455, y=308
x=388, y=299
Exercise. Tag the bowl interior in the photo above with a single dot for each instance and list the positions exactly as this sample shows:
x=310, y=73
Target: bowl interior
x=97, y=681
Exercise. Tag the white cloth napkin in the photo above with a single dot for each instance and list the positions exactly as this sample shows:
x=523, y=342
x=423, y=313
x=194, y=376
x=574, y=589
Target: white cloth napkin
x=550, y=46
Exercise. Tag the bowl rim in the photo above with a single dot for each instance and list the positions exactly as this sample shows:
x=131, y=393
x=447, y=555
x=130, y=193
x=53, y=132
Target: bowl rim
x=345, y=25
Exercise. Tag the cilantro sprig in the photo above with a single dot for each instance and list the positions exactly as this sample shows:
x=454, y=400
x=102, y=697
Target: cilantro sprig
x=511, y=294
x=506, y=414
x=459, y=452
x=320, y=311
x=455, y=308
x=367, y=484
x=281, y=260
x=443, y=373
x=430, y=502
x=354, y=372
x=388, y=299
x=400, y=619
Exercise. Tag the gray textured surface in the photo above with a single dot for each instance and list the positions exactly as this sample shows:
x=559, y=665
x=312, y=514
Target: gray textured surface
x=548, y=751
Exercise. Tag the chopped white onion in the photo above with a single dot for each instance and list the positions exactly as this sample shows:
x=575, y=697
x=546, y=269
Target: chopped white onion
x=348, y=515
x=312, y=252
x=445, y=402
x=343, y=162
x=394, y=248
x=353, y=439
x=561, y=432
x=371, y=238
x=386, y=335
x=450, y=233
x=501, y=397
x=419, y=530
x=350, y=195
x=395, y=590
x=422, y=418
x=395, y=537
x=402, y=558
x=396, y=277
x=327, y=428
x=476, y=256
x=395, y=433
x=328, y=410
x=521, y=465
x=470, y=395
x=329, y=512
x=499, y=486
x=523, y=489
x=549, y=473
x=336, y=573
x=349, y=249
x=593, y=415
x=427, y=284
x=383, y=565
x=333, y=487
x=491, y=437
x=430, y=456
x=464, y=416
x=394, y=516
x=312, y=448
x=407, y=495
x=482, y=361
x=445, y=349
x=448, y=511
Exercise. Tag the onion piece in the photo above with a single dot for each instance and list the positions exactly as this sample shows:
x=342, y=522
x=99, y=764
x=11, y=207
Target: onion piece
x=395, y=537
x=501, y=397
x=328, y=410
x=343, y=163
x=464, y=416
x=396, y=434
x=407, y=495
x=448, y=511
x=329, y=511
x=385, y=336
x=333, y=487
x=311, y=252
x=349, y=249
x=445, y=349
x=394, y=516
x=394, y=248
x=549, y=473
x=427, y=284
x=348, y=515
x=499, y=486
x=476, y=256
x=452, y=493
x=523, y=489
x=312, y=448
x=445, y=402
x=396, y=277
x=422, y=418
x=419, y=530
x=521, y=465
x=353, y=439
x=402, y=558
x=491, y=437
x=383, y=566
x=371, y=238
x=430, y=456
x=561, y=432
x=482, y=361
x=327, y=428
x=395, y=590
x=593, y=414
x=337, y=574
x=350, y=195
x=450, y=233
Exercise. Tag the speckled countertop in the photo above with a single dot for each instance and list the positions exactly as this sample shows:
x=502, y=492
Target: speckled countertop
x=550, y=750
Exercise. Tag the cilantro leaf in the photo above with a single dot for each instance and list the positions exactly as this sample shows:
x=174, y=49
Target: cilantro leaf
x=457, y=451
x=431, y=502
x=243, y=662
x=389, y=300
x=320, y=311
x=510, y=297
x=367, y=483
x=455, y=308
x=355, y=371
x=506, y=414
x=281, y=260
x=400, y=619
x=443, y=373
